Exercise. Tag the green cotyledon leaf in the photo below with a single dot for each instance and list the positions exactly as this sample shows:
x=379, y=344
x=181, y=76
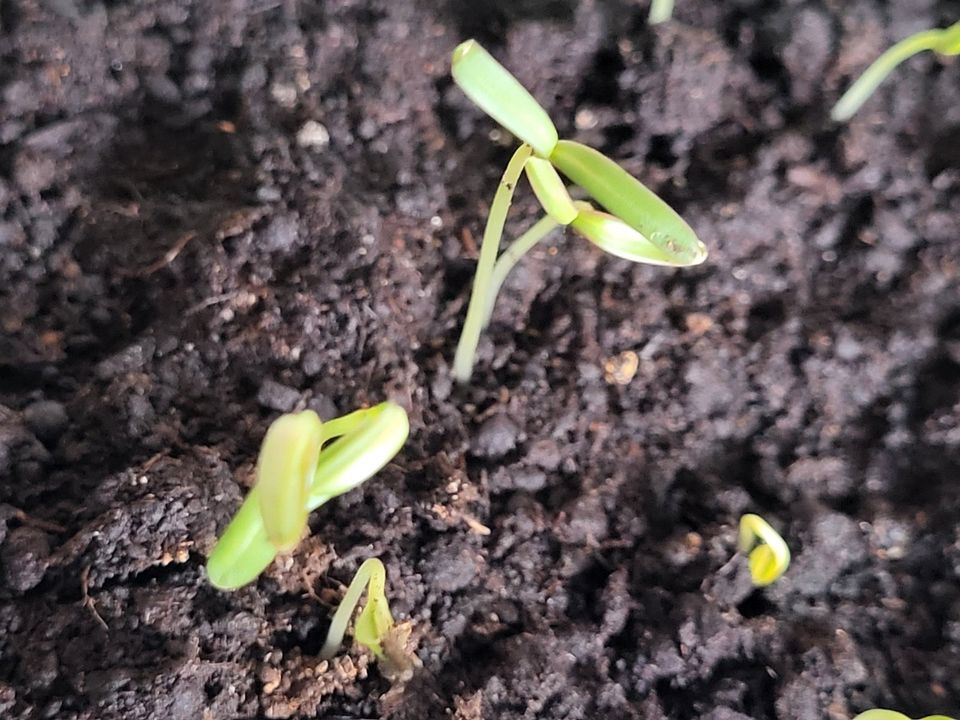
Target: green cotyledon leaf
x=629, y=200
x=499, y=94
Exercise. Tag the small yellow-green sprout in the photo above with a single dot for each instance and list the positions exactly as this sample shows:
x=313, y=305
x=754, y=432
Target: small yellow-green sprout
x=297, y=473
x=767, y=553
x=639, y=227
x=945, y=41
x=374, y=621
x=374, y=628
x=660, y=11
x=893, y=715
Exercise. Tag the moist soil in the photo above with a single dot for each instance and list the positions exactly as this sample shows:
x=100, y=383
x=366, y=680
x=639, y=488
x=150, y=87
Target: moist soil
x=212, y=213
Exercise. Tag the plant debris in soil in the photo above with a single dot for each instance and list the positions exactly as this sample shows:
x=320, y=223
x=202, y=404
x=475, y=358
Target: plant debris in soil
x=212, y=213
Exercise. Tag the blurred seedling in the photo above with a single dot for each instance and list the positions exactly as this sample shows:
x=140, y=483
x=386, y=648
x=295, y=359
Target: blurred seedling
x=767, y=554
x=638, y=226
x=893, y=715
x=374, y=628
x=297, y=472
x=945, y=41
x=660, y=11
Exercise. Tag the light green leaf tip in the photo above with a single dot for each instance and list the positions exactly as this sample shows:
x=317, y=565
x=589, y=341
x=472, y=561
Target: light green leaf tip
x=632, y=203
x=499, y=94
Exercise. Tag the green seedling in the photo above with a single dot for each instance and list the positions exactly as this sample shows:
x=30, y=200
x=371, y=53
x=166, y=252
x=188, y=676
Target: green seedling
x=660, y=11
x=374, y=622
x=638, y=225
x=945, y=41
x=297, y=472
x=374, y=628
x=767, y=553
x=892, y=715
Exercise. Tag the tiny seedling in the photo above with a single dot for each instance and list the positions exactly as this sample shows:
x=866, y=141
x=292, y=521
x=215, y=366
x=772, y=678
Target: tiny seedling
x=893, y=715
x=660, y=11
x=767, y=554
x=945, y=41
x=374, y=621
x=638, y=226
x=297, y=472
x=374, y=628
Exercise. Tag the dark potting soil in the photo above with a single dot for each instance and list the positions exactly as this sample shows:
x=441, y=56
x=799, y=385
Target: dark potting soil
x=212, y=213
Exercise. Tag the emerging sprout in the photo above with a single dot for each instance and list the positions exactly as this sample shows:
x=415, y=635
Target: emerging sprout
x=297, y=474
x=767, y=553
x=893, y=715
x=374, y=620
x=945, y=42
x=660, y=11
x=639, y=227
x=374, y=628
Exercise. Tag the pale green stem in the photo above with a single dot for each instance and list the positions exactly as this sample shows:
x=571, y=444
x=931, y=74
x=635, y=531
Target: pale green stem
x=342, y=425
x=511, y=256
x=863, y=88
x=372, y=572
x=660, y=11
x=479, y=298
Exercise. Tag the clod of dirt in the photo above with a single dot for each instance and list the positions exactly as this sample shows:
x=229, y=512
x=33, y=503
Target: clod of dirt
x=827, y=478
x=450, y=566
x=277, y=397
x=497, y=436
x=47, y=419
x=24, y=555
x=130, y=359
x=836, y=544
x=518, y=477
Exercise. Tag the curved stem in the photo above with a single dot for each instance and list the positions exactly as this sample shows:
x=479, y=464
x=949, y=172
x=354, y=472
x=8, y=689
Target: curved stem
x=371, y=574
x=511, y=256
x=479, y=299
x=344, y=424
x=863, y=88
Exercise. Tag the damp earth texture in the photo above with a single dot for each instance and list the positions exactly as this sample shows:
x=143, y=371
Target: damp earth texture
x=215, y=213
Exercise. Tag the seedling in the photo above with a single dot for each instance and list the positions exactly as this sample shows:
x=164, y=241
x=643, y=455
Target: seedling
x=639, y=225
x=297, y=473
x=374, y=628
x=945, y=41
x=660, y=11
x=893, y=715
x=374, y=621
x=767, y=553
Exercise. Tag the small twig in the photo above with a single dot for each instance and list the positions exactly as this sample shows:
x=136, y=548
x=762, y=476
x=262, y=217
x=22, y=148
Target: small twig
x=210, y=301
x=168, y=257
x=152, y=460
x=88, y=601
x=38, y=523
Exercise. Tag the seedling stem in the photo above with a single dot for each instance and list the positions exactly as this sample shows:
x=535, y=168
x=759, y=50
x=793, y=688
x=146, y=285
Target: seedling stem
x=660, y=11
x=945, y=41
x=482, y=281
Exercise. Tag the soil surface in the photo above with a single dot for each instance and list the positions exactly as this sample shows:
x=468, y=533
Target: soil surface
x=215, y=212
